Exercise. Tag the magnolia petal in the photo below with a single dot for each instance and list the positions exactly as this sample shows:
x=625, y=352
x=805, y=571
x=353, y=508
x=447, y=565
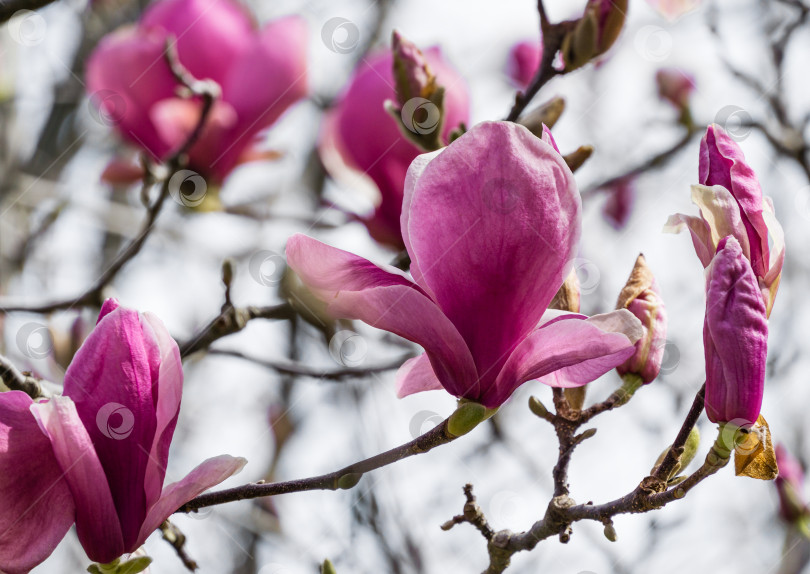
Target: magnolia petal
x=169, y=391
x=37, y=505
x=569, y=351
x=735, y=336
x=385, y=298
x=97, y=522
x=701, y=235
x=210, y=473
x=416, y=375
x=721, y=214
x=114, y=381
x=210, y=34
x=494, y=266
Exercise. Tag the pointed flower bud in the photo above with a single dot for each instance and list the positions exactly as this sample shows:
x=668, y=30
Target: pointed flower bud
x=594, y=33
x=412, y=73
x=545, y=115
x=675, y=86
x=567, y=297
x=735, y=338
x=789, y=486
x=731, y=203
x=641, y=297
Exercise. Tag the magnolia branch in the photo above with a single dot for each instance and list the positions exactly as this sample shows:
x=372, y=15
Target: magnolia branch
x=345, y=478
x=552, y=35
x=651, y=494
x=93, y=296
x=299, y=370
x=17, y=381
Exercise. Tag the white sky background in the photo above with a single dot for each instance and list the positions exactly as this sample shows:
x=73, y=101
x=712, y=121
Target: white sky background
x=726, y=525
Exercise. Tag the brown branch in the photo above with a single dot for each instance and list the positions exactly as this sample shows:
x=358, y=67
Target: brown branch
x=299, y=370
x=552, y=35
x=232, y=320
x=17, y=381
x=344, y=478
x=177, y=539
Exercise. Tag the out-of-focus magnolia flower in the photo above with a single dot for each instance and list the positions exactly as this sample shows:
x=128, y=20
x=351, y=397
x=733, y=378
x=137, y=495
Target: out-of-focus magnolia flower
x=790, y=486
x=491, y=223
x=674, y=9
x=618, y=207
x=97, y=455
x=675, y=86
x=594, y=33
x=735, y=338
x=361, y=142
x=731, y=203
x=524, y=61
x=261, y=73
x=642, y=298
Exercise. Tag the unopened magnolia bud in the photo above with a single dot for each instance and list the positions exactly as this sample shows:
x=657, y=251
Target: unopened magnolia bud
x=349, y=480
x=594, y=33
x=641, y=297
x=538, y=408
x=690, y=448
x=227, y=271
x=567, y=297
x=577, y=158
x=467, y=416
x=610, y=532
x=327, y=567
x=547, y=114
x=412, y=74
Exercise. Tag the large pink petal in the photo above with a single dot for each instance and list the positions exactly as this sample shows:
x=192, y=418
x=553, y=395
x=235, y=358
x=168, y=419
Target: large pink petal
x=167, y=409
x=126, y=75
x=269, y=77
x=416, y=375
x=211, y=34
x=494, y=221
x=569, y=351
x=700, y=232
x=37, y=505
x=735, y=337
x=97, y=522
x=113, y=381
x=210, y=473
x=384, y=298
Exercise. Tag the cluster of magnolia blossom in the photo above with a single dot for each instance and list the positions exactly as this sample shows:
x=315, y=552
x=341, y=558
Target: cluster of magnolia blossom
x=490, y=220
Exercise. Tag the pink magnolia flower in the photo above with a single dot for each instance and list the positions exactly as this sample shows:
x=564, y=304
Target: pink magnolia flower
x=491, y=223
x=360, y=138
x=621, y=198
x=731, y=203
x=674, y=9
x=97, y=455
x=642, y=298
x=735, y=337
x=524, y=61
x=675, y=86
x=790, y=486
x=262, y=72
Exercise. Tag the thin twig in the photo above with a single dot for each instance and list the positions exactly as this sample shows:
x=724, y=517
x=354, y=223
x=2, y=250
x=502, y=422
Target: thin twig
x=299, y=370
x=17, y=381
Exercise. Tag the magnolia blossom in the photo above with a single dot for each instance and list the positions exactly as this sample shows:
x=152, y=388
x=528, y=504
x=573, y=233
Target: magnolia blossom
x=361, y=141
x=594, y=33
x=524, y=61
x=491, y=223
x=261, y=72
x=97, y=455
x=735, y=337
x=675, y=86
x=731, y=203
x=642, y=298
